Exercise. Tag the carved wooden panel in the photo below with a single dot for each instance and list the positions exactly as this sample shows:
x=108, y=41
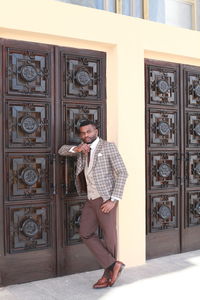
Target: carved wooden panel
x=163, y=170
x=28, y=125
x=28, y=176
x=193, y=169
x=28, y=72
x=74, y=115
x=163, y=211
x=162, y=87
x=29, y=228
x=193, y=129
x=73, y=214
x=163, y=128
x=73, y=209
x=193, y=211
x=83, y=77
x=192, y=79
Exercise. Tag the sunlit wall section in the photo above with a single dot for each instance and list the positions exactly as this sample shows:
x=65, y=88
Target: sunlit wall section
x=179, y=13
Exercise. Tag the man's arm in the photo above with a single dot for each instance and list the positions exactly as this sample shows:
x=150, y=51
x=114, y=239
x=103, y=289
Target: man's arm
x=70, y=150
x=67, y=150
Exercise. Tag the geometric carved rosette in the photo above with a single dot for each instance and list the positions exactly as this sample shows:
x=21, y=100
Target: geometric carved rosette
x=74, y=116
x=28, y=176
x=163, y=170
x=193, y=129
x=194, y=169
x=82, y=77
x=29, y=228
x=28, y=73
x=193, y=208
x=193, y=87
x=28, y=125
x=163, y=128
x=162, y=85
x=73, y=214
x=163, y=212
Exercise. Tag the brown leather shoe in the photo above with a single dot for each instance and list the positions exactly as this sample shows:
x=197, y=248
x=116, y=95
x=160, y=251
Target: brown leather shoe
x=103, y=282
x=117, y=269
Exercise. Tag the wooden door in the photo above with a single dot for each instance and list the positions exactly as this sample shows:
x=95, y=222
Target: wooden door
x=82, y=95
x=45, y=92
x=172, y=142
x=190, y=239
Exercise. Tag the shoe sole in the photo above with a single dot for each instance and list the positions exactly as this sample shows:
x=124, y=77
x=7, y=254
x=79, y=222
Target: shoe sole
x=102, y=287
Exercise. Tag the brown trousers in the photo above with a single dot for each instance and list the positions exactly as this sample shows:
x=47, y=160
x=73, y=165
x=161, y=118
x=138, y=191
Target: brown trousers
x=92, y=217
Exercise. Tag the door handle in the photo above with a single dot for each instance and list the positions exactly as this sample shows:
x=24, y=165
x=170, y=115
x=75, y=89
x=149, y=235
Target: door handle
x=54, y=173
x=66, y=177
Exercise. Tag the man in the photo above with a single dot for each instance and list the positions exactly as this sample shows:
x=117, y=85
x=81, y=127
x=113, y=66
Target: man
x=105, y=176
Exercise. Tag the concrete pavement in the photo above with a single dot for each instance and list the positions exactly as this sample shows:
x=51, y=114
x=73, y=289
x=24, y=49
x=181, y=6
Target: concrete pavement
x=171, y=277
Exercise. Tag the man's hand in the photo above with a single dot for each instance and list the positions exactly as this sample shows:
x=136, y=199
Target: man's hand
x=84, y=148
x=107, y=206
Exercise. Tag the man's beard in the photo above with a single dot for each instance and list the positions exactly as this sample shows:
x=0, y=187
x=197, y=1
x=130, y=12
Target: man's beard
x=92, y=140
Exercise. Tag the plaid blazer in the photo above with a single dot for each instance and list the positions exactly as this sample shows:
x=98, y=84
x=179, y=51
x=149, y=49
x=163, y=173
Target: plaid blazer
x=108, y=169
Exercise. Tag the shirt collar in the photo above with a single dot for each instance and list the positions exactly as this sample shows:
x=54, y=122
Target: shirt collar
x=94, y=144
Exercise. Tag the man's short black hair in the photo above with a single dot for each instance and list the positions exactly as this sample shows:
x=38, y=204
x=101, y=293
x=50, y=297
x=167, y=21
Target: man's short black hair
x=87, y=122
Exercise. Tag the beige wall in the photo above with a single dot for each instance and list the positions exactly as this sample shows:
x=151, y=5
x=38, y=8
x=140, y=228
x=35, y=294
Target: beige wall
x=127, y=41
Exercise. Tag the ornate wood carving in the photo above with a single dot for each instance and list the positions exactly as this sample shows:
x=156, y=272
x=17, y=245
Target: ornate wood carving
x=193, y=212
x=163, y=170
x=29, y=228
x=28, y=72
x=163, y=125
x=73, y=214
x=193, y=133
x=192, y=79
x=162, y=85
x=28, y=125
x=82, y=77
x=28, y=176
x=72, y=223
x=194, y=169
x=74, y=115
x=163, y=211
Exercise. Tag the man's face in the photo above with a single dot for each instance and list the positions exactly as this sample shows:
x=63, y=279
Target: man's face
x=88, y=133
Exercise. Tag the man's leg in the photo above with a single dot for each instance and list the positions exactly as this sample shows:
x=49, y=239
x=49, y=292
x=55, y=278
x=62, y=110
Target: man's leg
x=107, y=222
x=88, y=227
x=104, y=252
